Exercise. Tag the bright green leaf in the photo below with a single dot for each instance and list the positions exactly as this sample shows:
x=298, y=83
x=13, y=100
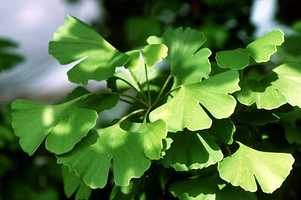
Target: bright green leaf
x=246, y=166
x=183, y=110
x=264, y=47
x=192, y=151
x=63, y=125
x=129, y=152
x=188, y=63
x=76, y=41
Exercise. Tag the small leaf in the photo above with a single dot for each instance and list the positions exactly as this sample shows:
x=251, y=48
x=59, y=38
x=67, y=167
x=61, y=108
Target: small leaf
x=263, y=48
x=234, y=59
x=63, y=125
x=192, y=151
x=183, y=110
x=290, y=121
x=76, y=41
x=129, y=151
x=247, y=165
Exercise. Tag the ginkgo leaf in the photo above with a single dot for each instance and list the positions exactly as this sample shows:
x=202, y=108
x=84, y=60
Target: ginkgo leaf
x=130, y=153
x=63, y=125
x=188, y=63
x=268, y=169
x=73, y=185
x=150, y=56
x=283, y=88
x=183, y=110
x=192, y=151
x=260, y=50
x=264, y=47
x=76, y=41
x=208, y=188
x=233, y=59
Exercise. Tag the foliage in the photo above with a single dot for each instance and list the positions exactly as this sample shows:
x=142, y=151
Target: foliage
x=183, y=134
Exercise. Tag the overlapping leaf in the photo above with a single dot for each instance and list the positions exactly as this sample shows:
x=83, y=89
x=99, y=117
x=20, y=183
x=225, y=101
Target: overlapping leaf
x=268, y=169
x=274, y=90
x=130, y=152
x=183, y=110
x=76, y=41
x=63, y=125
x=192, y=151
x=73, y=185
x=260, y=50
x=208, y=188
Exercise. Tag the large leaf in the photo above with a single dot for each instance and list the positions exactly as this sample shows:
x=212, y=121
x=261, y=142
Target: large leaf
x=183, y=110
x=189, y=63
x=192, y=151
x=76, y=41
x=63, y=125
x=284, y=87
x=260, y=50
x=208, y=188
x=130, y=152
x=247, y=165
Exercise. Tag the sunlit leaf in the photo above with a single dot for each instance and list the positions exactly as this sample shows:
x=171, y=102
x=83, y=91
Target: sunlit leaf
x=268, y=169
x=130, y=152
x=76, y=41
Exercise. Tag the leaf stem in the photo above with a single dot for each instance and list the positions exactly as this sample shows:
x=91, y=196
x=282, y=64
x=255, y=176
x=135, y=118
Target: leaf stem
x=162, y=90
x=148, y=86
x=134, y=98
x=126, y=101
x=128, y=83
x=131, y=114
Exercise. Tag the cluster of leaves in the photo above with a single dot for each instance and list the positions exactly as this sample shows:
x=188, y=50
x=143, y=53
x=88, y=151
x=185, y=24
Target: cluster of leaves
x=8, y=59
x=183, y=118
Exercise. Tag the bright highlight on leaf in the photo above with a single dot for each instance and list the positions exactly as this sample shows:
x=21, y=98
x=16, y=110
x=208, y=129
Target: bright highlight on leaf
x=130, y=153
x=76, y=41
x=246, y=166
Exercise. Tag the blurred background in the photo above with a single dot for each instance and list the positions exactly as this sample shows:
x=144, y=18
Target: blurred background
x=27, y=71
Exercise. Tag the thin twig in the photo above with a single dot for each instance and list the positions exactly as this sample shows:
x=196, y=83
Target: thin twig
x=131, y=114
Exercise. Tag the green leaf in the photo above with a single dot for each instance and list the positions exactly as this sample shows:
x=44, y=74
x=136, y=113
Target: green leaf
x=246, y=166
x=188, y=63
x=283, y=88
x=76, y=41
x=234, y=59
x=192, y=151
x=73, y=185
x=263, y=48
x=208, y=188
x=260, y=50
x=129, y=151
x=183, y=110
x=63, y=125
